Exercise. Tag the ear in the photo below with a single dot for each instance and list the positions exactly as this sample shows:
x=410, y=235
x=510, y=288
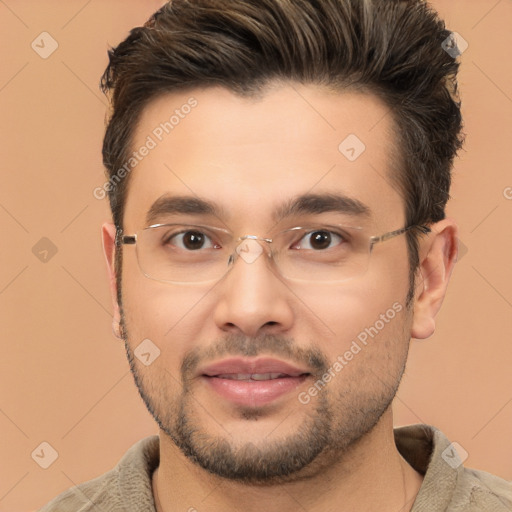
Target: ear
x=438, y=255
x=108, y=234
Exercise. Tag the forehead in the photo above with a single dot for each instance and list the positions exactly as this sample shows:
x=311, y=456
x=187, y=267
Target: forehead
x=252, y=155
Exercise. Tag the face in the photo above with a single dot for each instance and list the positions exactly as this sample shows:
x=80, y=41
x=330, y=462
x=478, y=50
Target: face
x=261, y=377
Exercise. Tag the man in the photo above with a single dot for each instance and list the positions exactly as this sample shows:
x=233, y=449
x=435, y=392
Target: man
x=278, y=172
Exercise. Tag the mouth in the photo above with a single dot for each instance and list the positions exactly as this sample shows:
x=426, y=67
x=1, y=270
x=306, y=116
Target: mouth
x=253, y=383
x=253, y=376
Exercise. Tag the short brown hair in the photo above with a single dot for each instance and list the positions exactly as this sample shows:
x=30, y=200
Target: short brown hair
x=391, y=48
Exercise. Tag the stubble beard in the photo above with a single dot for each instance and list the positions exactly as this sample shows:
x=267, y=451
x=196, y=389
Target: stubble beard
x=333, y=423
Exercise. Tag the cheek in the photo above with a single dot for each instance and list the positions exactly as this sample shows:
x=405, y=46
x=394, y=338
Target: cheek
x=166, y=314
x=344, y=312
x=368, y=345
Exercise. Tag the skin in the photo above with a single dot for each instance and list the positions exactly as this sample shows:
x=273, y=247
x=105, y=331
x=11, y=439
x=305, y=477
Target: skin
x=249, y=155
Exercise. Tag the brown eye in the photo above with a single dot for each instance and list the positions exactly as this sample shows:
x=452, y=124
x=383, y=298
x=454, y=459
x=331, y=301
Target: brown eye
x=320, y=239
x=191, y=240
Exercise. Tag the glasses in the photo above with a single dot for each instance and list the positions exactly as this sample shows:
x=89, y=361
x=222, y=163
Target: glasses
x=183, y=253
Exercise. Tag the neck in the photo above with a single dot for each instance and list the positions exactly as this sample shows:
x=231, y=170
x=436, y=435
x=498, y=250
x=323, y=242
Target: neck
x=371, y=476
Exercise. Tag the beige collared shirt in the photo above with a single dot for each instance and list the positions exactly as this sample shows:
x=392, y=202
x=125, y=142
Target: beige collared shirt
x=447, y=485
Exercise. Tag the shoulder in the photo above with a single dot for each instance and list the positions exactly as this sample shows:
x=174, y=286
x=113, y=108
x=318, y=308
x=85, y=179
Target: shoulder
x=128, y=483
x=448, y=485
x=482, y=491
x=86, y=496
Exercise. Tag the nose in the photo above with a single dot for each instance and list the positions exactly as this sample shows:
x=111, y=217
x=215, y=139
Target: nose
x=252, y=297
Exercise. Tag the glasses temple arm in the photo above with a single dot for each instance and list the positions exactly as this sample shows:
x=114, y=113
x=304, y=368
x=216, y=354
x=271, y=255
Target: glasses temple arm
x=124, y=239
x=392, y=234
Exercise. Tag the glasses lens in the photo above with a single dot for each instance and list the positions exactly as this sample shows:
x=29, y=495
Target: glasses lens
x=183, y=253
x=328, y=253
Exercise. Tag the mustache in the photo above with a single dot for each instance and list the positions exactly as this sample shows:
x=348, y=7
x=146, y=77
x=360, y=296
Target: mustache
x=237, y=344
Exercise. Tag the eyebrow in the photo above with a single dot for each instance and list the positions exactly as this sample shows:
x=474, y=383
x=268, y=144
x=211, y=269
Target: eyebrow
x=321, y=203
x=313, y=204
x=184, y=205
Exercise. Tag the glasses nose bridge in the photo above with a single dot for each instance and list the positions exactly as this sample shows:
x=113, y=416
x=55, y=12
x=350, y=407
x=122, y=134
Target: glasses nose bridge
x=262, y=241
x=254, y=237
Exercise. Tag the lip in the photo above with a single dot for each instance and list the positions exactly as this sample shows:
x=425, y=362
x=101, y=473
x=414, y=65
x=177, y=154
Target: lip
x=261, y=365
x=252, y=393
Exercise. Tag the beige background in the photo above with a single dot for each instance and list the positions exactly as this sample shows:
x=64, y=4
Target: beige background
x=64, y=379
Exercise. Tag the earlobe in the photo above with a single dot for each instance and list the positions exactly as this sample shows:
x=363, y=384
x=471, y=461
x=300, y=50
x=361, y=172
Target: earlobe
x=108, y=233
x=438, y=254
